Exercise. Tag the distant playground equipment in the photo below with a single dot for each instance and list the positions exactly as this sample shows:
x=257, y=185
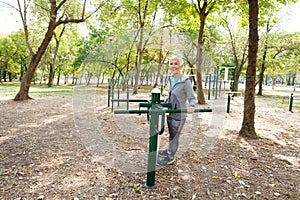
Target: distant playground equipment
x=215, y=81
x=155, y=111
x=230, y=76
x=111, y=94
x=112, y=97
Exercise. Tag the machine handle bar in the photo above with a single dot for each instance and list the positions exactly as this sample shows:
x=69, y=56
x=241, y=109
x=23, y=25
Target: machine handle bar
x=160, y=111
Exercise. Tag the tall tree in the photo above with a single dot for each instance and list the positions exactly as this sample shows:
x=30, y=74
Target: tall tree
x=263, y=63
x=269, y=21
x=53, y=64
x=203, y=9
x=59, y=13
x=144, y=10
x=239, y=50
x=248, y=128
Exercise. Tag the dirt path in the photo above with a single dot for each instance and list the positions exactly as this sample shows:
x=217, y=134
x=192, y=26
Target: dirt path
x=71, y=146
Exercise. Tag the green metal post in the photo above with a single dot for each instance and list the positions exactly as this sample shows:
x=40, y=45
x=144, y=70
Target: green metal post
x=153, y=140
x=291, y=102
x=214, y=82
x=220, y=87
x=228, y=103
x=217, y=85
x=112, y=93
x=161, y=84
x=113, y=88
x=209, y=85
x=108, y=94
x=127, y=90
x=118, y=90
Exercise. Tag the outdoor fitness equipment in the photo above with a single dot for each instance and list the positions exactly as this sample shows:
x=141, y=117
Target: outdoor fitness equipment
x=230, y=95
x=215, y=80
x=291, y=101
x=111, y=93
x=156, y=111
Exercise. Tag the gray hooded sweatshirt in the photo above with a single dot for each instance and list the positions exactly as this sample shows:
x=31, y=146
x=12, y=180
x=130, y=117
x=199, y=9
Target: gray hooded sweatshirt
x=181, y=92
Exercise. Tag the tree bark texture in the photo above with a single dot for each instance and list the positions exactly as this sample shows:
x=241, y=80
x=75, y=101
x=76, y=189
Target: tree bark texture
x=200, y=92
x=138, y=64
x=248, y=128
x=202, y=14
x=23, y=93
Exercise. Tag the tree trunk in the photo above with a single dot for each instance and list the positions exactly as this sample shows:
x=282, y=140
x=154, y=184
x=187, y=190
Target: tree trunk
x=53, y=66
x=294, y=83
x=236, y=83
x=139, y=59
x=263, y=65
x=43, y=71
x=1, y=74
x=22, y=71
x=58, y=76
x=51, y=75
x=160, y=62
x=248, y=128
x=23, y=93
x=239, y=63
x=261, y=74
x=200, y=92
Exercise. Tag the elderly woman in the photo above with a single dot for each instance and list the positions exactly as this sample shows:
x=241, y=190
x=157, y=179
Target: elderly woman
x=180, y=92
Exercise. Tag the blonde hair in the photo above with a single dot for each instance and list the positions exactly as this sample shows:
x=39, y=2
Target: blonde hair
x=176, y=57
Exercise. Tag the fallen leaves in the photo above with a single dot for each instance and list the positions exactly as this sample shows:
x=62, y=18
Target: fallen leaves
x=49, y=161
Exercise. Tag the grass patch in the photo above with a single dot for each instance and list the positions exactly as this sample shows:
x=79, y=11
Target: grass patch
x=296, y=106
x=286, y=104
x=280, y=99
x=13, y=88
x=34, y=89
x=9, y=88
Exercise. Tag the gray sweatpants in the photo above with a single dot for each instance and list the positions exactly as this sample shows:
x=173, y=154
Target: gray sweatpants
x=175, y=127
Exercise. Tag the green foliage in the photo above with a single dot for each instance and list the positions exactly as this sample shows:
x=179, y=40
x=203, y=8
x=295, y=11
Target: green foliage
x=283, y=56
x=122, y=18
x=13, y=53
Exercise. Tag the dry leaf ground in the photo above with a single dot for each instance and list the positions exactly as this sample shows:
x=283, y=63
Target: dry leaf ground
x=45, y=153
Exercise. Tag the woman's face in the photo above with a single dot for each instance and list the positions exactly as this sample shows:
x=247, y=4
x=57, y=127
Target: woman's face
x=175, y=67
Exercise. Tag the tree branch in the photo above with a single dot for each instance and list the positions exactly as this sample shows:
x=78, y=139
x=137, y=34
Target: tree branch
x=9, y=5
x=196, y=8
x=24, y=22
x=60, y=4
x=76, y=21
